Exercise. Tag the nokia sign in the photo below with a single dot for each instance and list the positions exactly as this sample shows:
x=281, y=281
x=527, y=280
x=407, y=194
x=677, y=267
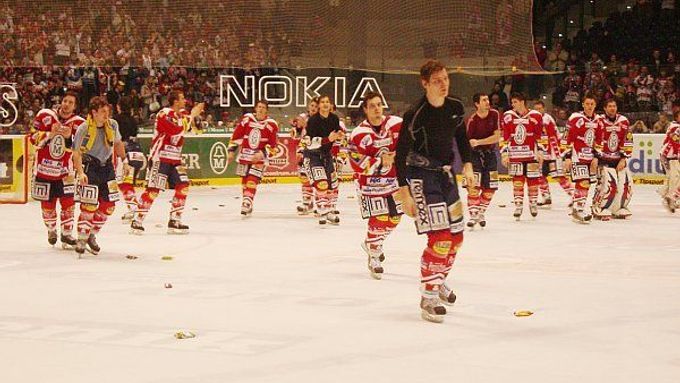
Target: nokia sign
x=296, y=90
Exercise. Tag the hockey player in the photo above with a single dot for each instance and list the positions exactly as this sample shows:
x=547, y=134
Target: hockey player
x=53, y=170
x=94, y=144
x=552, y=159
x=134, y=156
x=483, y=130
x=670, y=156
x=165, y=167
x=256, y=135
x=372, y=149
x=323, y=129
x=579, y=155
x=428, y=188
x=522, y=153
x=614, y=145
x=296, y=133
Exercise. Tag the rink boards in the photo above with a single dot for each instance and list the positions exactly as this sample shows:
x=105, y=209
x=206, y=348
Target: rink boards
x=206, y=159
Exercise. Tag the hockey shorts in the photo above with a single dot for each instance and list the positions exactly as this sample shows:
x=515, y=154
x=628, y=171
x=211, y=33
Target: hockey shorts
x=161, y=175
x=438, y=205
x=320, y=169
x=485, y=168
x=101, y=182
x=526, y=169
x=48, y=190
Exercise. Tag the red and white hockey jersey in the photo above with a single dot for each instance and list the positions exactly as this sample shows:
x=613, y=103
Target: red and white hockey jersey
x=671, y=144
x=254, y=137
x=521, y=135
x=53, y=156
x=168, y=136
x=367, y=145
x=581, y=137
x=614, y=139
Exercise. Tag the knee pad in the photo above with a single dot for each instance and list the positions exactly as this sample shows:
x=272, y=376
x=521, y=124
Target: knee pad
x=107, y=207
x=382, y=218
x=182, y=189
x=321, y=185
x=88, y=208
x=48, y=205
x=66, y=202
x=395, y=219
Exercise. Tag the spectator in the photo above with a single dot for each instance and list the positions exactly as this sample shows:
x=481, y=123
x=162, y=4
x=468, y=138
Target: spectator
x=557, y=58
x=662, y=125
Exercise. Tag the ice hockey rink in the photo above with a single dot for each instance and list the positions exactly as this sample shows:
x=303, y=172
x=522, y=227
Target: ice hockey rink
x=275, y=298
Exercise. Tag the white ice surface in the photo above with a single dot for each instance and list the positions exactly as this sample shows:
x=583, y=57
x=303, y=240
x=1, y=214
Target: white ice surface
x=274, y=298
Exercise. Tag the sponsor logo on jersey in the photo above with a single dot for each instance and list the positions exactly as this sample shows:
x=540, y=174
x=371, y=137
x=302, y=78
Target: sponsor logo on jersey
x=520, y=134
x=254, y=138
x=613, y=142
x=57, y=146
x=218, y=157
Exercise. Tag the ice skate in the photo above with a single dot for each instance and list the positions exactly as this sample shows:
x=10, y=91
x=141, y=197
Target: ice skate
x=304, y=209
x=323, y=219
x=602, y=214
x=482, y=221
x=472, y=221
x=446, y=295
x=332, y=219
x=580, y=216
x=518, y=212
x=432, y=310
x=368, y=251
x=92, y=245
x=622, y=213
x=668, y=204
x=546, y=202
x=177, y=227
x=67, y=241
x=375, y=267
x=246, y=210
x=127, y=217
x=136, y=228
x=52, y=237
x=533, y=209
x=80, y=248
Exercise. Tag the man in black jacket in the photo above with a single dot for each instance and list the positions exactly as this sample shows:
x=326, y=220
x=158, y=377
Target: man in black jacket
x=322, y=130
x=428, y=189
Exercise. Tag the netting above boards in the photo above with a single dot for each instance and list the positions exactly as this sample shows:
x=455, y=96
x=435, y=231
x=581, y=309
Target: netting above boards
x=489, y=37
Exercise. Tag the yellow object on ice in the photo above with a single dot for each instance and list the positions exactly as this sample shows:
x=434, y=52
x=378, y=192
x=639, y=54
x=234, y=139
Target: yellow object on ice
x=523, y=313
x=184, y=335
x=166, y=258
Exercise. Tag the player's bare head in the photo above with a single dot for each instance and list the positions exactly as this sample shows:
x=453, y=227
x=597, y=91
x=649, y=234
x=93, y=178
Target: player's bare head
x=610, y=107
x=518, y=101
x=676, y=115
x=313, y=106
x=434, y=78
x=589, y=103
x=324, y=104
x=372, y=104
x=99, y=109
x=176, y=99
x=69, y=103
x=261, y=109
x=539, y=106
x=481, y=101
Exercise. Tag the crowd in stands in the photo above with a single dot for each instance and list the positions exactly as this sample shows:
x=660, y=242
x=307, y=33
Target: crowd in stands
x=631, y=57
